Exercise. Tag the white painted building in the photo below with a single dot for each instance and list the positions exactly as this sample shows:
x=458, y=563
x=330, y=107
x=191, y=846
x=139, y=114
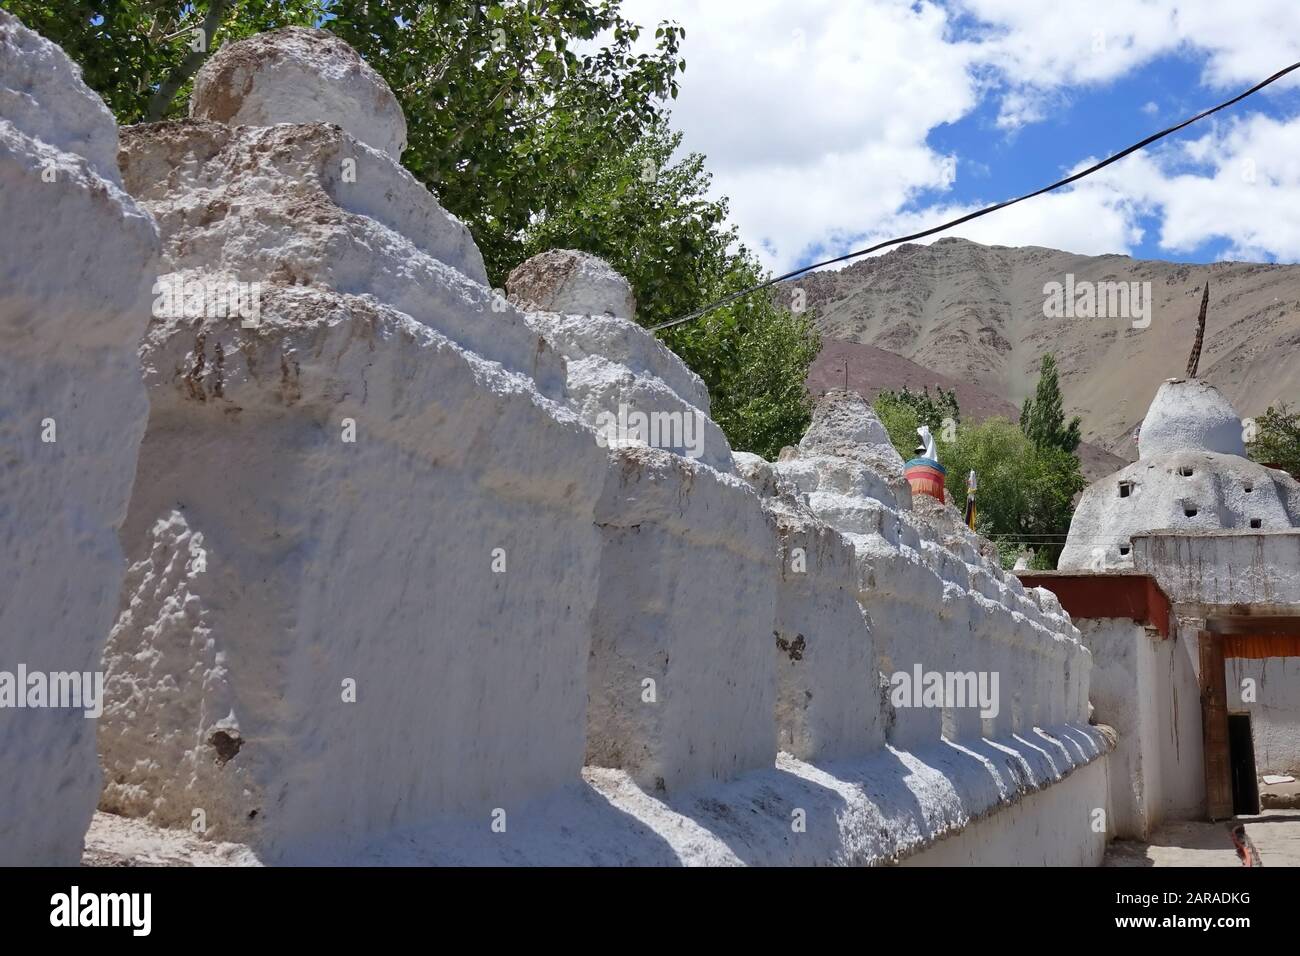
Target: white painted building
x=1189, y=555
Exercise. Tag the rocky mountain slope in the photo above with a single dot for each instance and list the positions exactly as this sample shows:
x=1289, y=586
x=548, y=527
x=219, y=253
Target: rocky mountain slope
x=976, y=313
x=872, y=370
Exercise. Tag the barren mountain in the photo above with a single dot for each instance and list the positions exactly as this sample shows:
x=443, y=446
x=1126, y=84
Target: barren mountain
x=976, y=313
x=871, y=370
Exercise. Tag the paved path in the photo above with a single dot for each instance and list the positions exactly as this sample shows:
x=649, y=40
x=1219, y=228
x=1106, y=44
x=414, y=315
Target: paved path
x=1275, y=834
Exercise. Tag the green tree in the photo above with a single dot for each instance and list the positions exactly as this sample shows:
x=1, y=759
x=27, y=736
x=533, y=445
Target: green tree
x=652, y=218
x=512, y=106
x=1277, y=438
x=492, y=91
x=1042, y=417
x=901, y=422
x=1025, y=498
x=902, y=412
x=538, y=125
x=755, y=359
x=141, y=57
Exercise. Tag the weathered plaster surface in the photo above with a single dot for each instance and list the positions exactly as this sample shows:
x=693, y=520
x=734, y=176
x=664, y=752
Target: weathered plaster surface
x=362, y=540
x=1059, y=826
x=299, y=75
x=934, y=596
x=387, y=588
x=1274, y=711
x=1146, y=688
x=77, y=256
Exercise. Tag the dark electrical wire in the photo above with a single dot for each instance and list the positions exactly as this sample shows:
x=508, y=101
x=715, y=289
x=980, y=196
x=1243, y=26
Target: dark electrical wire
x=727, y=300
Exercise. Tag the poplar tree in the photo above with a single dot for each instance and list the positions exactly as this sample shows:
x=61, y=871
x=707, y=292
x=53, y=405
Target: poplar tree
x=1042, y=418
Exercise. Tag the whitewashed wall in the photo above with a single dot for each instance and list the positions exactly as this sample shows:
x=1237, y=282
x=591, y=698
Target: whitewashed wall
x=383, y=577
x=77, y=256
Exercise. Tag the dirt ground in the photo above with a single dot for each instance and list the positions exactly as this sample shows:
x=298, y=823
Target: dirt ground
x=1275, y=835
x=117, y=841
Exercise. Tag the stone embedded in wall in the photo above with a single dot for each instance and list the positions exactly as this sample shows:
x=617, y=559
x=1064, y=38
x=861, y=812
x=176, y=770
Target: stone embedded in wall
x=571, y=283
x=77, y=255
x=292, y=216
x=299, y=75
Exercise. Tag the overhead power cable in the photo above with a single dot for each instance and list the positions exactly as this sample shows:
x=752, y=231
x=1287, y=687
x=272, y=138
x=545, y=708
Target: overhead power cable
x=728, y=299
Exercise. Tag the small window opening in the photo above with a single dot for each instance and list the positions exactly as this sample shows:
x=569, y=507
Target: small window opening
x=1185, y=470
x=1124, y=549
x=1248, y=489
x=1190, y=510
x=1257, y=522
x=1125, y=489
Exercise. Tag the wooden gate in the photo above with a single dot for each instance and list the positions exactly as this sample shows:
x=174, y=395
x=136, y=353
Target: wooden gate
x=1235, y=635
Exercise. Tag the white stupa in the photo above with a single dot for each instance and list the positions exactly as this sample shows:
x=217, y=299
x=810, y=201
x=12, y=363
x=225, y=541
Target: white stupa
x=1191, y=475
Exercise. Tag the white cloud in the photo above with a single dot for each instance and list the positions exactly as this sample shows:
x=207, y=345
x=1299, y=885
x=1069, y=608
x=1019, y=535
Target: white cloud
x=1239, y=182
x=1092, y=41
x=814, y=116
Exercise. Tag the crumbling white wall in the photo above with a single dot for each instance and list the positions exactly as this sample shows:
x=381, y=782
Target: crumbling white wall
x=935, y=600
x=77, y=256
x=688, y=554
x=829, y=696
x=681, y=685
x=385, y=571
x=362, y=540
x=299, y=75
x=623, y=381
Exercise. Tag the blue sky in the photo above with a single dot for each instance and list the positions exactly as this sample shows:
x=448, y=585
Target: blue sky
x=994, y=164
x=834, y=123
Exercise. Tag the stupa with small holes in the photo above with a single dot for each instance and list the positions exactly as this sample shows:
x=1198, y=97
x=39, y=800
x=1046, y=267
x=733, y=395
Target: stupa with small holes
x=1192, y=474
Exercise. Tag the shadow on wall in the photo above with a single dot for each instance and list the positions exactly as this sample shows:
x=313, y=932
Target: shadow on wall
x=871, y=811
